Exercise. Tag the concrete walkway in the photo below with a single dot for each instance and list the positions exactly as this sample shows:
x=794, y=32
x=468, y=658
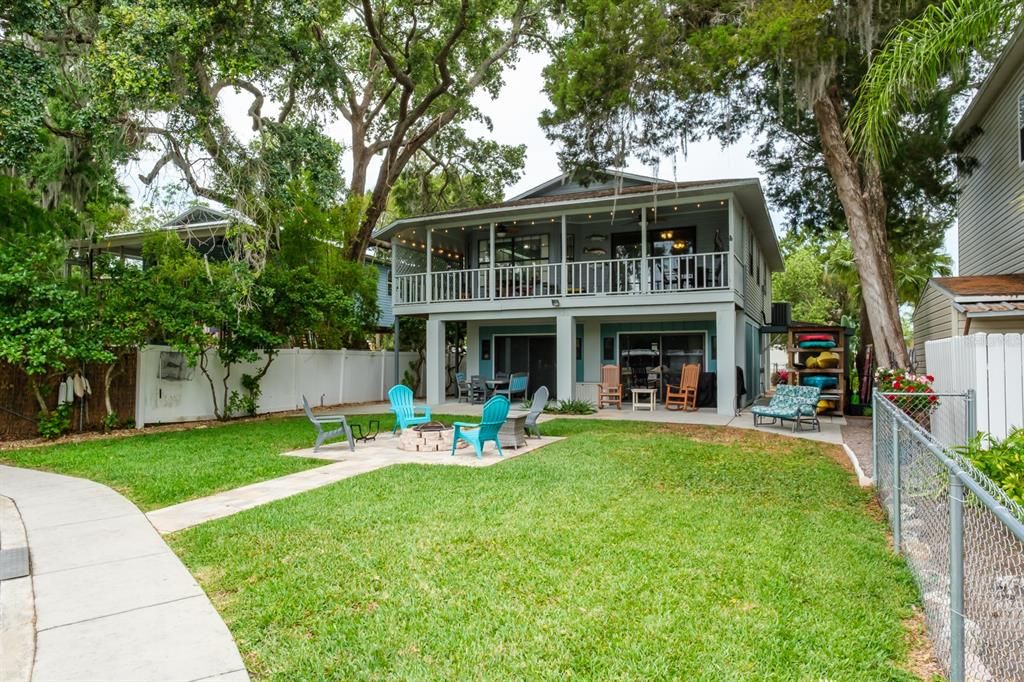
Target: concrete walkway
x=112, y=601
x=371, y=456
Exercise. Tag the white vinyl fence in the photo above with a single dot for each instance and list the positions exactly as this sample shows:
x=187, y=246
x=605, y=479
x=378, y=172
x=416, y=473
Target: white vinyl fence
x=168, y=392
x=992, y=365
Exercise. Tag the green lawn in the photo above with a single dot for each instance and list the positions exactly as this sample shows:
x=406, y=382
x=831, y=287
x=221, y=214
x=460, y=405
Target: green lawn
x=627, y=551
x=160, y=469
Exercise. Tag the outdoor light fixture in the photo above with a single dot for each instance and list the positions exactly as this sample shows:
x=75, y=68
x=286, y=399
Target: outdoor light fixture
x=555, y=302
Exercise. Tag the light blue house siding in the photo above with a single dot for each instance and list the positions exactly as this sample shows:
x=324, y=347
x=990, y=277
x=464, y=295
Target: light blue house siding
x=386, y=313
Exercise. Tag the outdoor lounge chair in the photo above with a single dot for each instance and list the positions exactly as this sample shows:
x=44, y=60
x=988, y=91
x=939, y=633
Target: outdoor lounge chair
x=798, y=404
x=684, y=397
x=517, y=383
x=537, y=405
x=323, y=435
x=609, y=391
x=405, y=412
x=495, y=413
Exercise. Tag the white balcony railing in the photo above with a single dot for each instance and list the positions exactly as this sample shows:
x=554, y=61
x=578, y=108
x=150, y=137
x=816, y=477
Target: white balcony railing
x=527, y=281
x=461, y=285
x=660, y=274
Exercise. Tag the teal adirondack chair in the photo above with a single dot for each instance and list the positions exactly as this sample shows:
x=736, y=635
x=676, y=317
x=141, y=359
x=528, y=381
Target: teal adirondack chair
x=495, y=412
x=405, y=412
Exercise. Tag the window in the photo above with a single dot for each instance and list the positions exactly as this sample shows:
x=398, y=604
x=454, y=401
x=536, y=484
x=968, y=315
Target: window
x=527, y=250
x=1020, y=128
x=750, y=254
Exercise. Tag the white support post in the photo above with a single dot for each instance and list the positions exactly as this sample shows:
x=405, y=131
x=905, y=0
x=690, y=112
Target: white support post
x=472, y=348
x=644, y=269
x=490, y=263
x=591, y=351
x=430, y=264
x=565, y=357
x=435, y=361
x=562, y=275
x=741, y=347
x=725, y=338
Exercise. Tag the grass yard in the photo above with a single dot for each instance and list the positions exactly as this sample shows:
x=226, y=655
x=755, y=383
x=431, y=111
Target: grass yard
x=160, y=469
x=627, y=551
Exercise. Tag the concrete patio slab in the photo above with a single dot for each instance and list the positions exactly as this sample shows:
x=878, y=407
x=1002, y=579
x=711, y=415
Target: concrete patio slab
x=112, y=601
x=367, y=457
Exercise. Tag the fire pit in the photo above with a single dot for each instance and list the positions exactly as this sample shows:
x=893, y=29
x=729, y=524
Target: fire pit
x=429, y=437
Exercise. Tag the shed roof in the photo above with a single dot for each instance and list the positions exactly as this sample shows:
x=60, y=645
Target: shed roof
x=982, y=285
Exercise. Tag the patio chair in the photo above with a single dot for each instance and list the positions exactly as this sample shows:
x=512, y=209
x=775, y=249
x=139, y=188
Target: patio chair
x=323, y=435
x=478, y=390
x=609, y=391
x=405, y=412
x=798, y=404
x=462, y=386
x=684, y=397
x=477, y=435
x=517, y=383
x=537, y=405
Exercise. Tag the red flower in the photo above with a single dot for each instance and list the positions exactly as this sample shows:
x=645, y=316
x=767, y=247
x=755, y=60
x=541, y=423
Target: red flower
x=932, y=398
x=896, y=384
x=929, y=377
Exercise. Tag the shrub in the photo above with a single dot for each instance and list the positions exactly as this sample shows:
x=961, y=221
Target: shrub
x=898, y=380
x=56, y=423
x=1002, y=461
x=572, y=407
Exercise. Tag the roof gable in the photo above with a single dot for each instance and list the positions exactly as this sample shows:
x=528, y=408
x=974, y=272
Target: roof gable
x=1008, y=63
x=564, y=184
x=198, y=215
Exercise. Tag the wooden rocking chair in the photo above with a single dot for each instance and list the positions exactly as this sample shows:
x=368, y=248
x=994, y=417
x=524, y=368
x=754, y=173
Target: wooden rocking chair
x=685, y=396
x=609, y=391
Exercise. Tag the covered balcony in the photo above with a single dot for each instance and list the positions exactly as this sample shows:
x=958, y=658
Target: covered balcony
x=672, y=248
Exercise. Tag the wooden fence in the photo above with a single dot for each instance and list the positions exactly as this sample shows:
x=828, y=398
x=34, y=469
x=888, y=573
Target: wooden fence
x=992, y=365
x=18, y=406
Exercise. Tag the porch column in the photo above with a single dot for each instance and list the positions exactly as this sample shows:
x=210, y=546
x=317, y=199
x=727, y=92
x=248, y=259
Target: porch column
x=591, y=351
x=398, y=353
x=644, y=269
x=430, y=264
x=725, y=361
x=472, y=348
x=741, y=346
x=490, y=263
x=435, y=361
x=564, y=288
x=565, y=357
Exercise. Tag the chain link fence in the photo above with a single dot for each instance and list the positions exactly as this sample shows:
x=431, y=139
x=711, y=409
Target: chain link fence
x=962, y=537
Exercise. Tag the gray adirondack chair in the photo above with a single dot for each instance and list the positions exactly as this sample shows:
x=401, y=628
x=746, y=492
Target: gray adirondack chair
x=323, y=435
x=537, y=405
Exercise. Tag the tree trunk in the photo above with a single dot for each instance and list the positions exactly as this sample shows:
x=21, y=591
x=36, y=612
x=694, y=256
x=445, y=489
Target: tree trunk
x=108, y=378
x=860, y=192
x=38, y=393
x=213, y=386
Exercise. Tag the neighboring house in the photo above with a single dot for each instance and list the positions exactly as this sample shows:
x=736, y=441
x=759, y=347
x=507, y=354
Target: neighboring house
x=957, y=306
x=204, y=229
x=988, y=293
x=636, y=272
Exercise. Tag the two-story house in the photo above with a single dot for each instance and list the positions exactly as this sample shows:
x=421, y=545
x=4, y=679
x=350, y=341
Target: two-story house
x=988, y=294
x=636, y=272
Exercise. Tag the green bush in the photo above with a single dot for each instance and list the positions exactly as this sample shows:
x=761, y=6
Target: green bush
x=572, y=407
x=55, y=424
x=1002, y=460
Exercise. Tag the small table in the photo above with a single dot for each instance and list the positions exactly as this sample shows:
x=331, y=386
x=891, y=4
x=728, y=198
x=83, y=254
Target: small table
x=649, y=395
x=513, y=432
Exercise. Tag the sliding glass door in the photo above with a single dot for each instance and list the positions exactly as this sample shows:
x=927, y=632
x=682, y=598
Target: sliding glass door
x=654, y=360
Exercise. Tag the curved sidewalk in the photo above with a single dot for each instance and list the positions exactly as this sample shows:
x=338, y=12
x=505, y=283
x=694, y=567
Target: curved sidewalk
x=112, y=601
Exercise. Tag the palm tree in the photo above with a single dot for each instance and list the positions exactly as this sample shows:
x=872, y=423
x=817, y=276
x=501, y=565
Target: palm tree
x=914, y=58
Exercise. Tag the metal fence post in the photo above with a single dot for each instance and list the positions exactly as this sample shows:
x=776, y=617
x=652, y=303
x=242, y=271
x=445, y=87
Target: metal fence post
x=956, y=578
x=972, y=414
x=874, y=436
x=896, y=522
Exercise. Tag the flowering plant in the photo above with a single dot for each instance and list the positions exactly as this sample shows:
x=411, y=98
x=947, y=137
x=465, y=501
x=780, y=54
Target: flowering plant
x=914, y=392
